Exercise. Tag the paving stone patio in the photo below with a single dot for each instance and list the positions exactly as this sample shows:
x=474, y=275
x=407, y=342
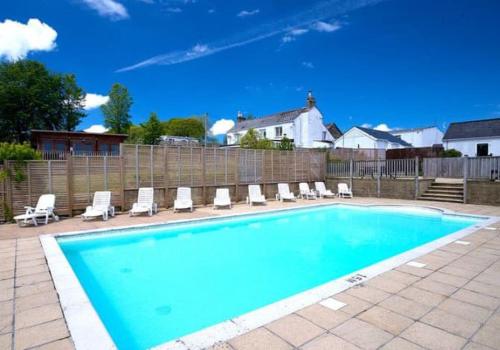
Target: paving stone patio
x=451, y=303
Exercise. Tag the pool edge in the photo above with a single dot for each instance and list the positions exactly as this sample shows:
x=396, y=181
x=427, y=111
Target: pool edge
x=89, y=332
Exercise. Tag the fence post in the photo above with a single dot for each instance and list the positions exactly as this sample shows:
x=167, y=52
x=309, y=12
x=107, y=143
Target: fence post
x=466, y=170
x=165, y=175
x=378, y=177
x=237, y=175
x=203, y=170
x=49, y=168
x=69, y=183
x=122, y=177
x=8, y=191
x=151, y=166
x=137, y=166
x=28, y=170
x=351, y=164
x=87, y=168
x=417, y=169
x=105, y=170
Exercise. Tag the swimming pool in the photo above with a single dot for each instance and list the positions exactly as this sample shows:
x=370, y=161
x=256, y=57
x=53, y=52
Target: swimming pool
x=153, y=285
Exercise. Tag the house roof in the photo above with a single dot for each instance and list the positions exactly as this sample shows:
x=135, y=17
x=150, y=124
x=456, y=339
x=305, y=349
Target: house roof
x=472, y=129
x=383, y=135
x=401, y=131
x=75, y=133
x=272, y=119
x=334, y=130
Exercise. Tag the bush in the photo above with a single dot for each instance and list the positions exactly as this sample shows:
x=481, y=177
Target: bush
x=19, y=153
x=451, y=153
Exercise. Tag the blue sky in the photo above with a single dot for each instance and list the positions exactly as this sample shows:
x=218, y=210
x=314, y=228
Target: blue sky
x=404, y=63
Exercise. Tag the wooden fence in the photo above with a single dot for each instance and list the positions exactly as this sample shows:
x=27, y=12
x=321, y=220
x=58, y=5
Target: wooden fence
x=393, y=168
x=75, y=179
x=476, y=168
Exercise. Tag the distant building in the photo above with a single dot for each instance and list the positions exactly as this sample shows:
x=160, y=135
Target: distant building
x=420, y=137
x=179, y=140
x=476, y=138
x=359, y=137
x=304, y=126
x=76, y=142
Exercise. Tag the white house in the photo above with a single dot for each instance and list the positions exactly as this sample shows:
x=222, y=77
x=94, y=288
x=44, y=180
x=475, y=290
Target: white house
x=304, y=126
x=359, y=137
x=420, y=137
x=476, y=138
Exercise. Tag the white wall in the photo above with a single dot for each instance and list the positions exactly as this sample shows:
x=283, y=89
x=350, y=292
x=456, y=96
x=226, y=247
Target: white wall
x=355, y=138
x=469, y=147
x=421, y=138
x=288, y=130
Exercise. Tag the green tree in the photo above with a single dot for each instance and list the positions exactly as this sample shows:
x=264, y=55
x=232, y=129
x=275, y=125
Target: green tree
x=451, y=153
x=116, y=110
x=135, y=135
x=189, y=127
x=253, y=140
x=32, y=97
x=285, y=144
x=250, y=139
x=153, y=129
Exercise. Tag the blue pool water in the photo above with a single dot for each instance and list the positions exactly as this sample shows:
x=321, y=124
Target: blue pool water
x=153, y=285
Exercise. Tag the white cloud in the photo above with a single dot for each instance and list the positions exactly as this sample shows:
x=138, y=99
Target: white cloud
x=321, y=26
x=18, y=39
x=321, y=11
x=211, y=11
x=290, y=35
x=108, y=8
x=221, y=127
x=93, y=101
x=379, y=127
x=96, y=129
x=309, y=65
x=382, y=127
x=246, y=13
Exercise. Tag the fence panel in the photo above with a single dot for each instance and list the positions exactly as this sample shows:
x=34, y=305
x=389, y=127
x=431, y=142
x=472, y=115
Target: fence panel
x=483, y=168
x=75, y=179
x=444, y=167
x=393, y=168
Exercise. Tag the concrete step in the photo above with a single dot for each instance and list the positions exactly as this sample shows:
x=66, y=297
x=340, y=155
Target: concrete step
x=445, y=191
x=441, y=199
x=450, y=195
x=447, y=185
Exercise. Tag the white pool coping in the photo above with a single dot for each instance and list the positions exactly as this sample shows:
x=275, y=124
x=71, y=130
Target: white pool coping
x=89, y=333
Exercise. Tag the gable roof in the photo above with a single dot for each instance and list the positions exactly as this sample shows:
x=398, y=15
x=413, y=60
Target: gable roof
x=272, y=119
x=472, y=129
x=401, y=131
x=334, y=130
x=383, y=135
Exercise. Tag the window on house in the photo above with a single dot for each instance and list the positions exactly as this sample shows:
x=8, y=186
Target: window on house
x=482, y=149
x=324, y=136
x=278, y=131
x=115, y=149
x=263, y=133
x=60, y=146
x=47, y=146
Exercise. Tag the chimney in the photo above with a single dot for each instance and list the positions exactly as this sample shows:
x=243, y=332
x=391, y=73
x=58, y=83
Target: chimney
x=311, y=101
x=240, y=117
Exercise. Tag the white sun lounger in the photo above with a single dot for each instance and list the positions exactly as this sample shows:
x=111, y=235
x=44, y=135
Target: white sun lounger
x=344, y=191
x=101, y=206
x=284, y=193
x=305, y=192
x=145, y=202
x=254, y=195
x=222, y=198
x=322, y=191
x=44, y=209
x=183, y=200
